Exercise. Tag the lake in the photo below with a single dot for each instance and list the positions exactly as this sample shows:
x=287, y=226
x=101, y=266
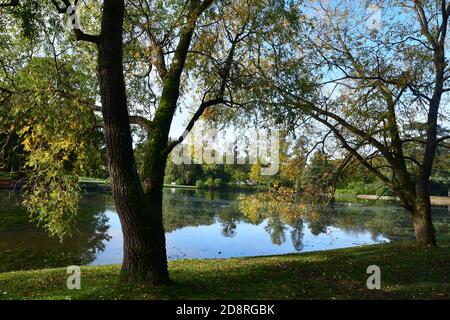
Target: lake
x=201, y=224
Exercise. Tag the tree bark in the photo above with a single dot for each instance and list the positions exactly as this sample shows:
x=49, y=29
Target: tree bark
x=417, y=202
x=421, y=216
x=423, y=226
x=144, y=258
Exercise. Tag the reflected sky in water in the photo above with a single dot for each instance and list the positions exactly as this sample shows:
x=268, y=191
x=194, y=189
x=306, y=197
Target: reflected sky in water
x=201, y=224
x=207, y=241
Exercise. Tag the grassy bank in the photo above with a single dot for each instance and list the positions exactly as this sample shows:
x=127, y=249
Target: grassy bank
x=93, y=184
x=407, y=271
x=435, y=200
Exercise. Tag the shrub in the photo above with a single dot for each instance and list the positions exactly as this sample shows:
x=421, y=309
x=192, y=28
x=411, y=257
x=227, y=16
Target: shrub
x=209, y=182
x=218, y=183
x=358, y=187
x=346, y=191
x=199, y=184
x=169, y=179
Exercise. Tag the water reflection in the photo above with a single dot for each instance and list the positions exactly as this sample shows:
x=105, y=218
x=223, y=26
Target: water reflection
x=203, y=224
x=24, y=246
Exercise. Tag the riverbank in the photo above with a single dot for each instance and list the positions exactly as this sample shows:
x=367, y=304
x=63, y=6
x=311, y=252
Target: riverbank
x=435, y=200
x=407, y=272
x=101, y=185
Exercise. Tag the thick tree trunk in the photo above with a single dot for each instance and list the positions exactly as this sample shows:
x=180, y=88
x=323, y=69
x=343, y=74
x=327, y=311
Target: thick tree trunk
x=416, y=199
x=423, y=226
x=144, y=259
x=421, y=215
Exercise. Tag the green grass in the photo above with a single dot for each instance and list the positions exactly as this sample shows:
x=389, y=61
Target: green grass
x=104, y=182
x=7, y=175
x=180, y=186
x=93, y=180
x=407, y=271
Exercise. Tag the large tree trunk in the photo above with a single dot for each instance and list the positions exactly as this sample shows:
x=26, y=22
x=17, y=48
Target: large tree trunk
x=144, y=259
x=417, y=202
x=421, y=215
x=416, y=199
x=423, y=226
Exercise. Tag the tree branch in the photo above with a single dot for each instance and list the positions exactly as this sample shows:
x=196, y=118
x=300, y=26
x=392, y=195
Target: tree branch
x=355, y=153
x=140, y=121
x=203, y=106
x=71, y=11
x=206, y=104
x=424, y=23
x=81, y=36
x=134, y=119
x=442, y=139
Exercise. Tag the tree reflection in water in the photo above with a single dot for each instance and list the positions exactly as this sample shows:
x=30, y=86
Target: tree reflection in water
x=297, y=235
x=203, y=207
x=25, y=246
x=381, y=219
x=221, y=214
x=185, y=208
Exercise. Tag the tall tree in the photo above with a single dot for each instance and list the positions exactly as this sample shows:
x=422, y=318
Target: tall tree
x=139, y=210
x=139, y=205
x=376, y=68
x=169, y=39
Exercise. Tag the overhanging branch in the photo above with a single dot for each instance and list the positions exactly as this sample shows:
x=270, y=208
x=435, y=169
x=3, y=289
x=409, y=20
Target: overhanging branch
x=67, y=8
x=225, y=72
x=203, y=106
x=81, y=36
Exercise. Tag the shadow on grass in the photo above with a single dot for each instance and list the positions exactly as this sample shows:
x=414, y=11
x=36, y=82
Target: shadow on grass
x=407, y=271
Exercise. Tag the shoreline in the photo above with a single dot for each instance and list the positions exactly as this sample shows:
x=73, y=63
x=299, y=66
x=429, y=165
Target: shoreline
x=435, y=200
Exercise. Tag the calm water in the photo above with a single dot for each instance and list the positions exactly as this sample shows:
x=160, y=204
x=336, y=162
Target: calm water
x=201, y=224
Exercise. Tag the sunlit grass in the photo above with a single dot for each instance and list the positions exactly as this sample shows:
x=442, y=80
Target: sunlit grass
x=408, y=272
